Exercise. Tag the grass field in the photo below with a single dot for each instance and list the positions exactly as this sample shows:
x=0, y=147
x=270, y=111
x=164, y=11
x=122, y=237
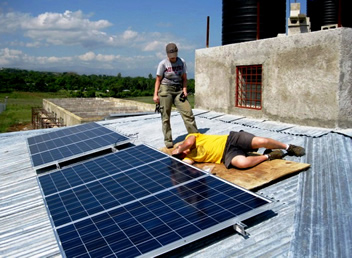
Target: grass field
x=18, y=113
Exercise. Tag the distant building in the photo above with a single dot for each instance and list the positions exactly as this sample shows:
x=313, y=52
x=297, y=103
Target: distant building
x=73, y=111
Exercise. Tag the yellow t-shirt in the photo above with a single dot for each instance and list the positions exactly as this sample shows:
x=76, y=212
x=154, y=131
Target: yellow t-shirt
x=209, y=148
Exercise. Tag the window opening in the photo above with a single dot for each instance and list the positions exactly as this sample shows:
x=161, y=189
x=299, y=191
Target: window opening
x=249, y=86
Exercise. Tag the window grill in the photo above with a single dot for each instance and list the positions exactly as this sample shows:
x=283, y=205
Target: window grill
x=249, y=86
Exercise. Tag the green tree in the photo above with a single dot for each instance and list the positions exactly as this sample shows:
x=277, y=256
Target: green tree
x=90, y=93
x=79, y=85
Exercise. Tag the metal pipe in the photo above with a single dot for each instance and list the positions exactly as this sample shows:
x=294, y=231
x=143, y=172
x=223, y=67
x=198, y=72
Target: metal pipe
x=258, y=20
x=207, y=40
x=339, y=22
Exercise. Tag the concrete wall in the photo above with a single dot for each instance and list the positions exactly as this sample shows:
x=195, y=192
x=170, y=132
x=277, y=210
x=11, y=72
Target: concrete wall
x=73, y=111
x=307, y=78
x=130, y=103
x=66, y=116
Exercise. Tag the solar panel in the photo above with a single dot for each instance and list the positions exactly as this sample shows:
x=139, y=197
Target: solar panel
x=140, y=202
x=71, y=142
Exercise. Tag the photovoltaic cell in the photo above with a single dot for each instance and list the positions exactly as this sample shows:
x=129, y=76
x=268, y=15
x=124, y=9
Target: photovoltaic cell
x=140, y=202
x=71, y=142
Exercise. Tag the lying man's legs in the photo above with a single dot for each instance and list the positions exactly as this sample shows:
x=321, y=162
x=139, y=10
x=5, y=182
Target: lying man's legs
x=268, y=143
x=242, y=161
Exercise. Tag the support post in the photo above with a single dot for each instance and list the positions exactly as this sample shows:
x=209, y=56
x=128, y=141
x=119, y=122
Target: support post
x=207, y=40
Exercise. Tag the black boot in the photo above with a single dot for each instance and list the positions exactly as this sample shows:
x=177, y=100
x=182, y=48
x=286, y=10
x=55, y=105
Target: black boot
x=294, y=150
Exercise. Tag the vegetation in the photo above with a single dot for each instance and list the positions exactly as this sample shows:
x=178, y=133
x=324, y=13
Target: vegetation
x=78, y=85
x=27, y=89
x=18, y=111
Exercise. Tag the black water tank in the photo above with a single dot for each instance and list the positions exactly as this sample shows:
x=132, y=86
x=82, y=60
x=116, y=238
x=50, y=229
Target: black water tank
x=329, y=12
x=314, y=12
x=240, y=20
x=346, y=16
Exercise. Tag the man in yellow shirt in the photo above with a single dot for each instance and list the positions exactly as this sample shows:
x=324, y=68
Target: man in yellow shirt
x=233, y=149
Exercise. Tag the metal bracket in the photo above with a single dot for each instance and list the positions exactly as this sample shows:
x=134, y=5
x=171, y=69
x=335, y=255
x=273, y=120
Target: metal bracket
x=239, y=227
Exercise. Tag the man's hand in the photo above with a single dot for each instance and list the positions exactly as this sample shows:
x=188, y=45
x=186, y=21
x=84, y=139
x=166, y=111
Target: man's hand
x=189, y=161
x=177, y=150
x=156, y=99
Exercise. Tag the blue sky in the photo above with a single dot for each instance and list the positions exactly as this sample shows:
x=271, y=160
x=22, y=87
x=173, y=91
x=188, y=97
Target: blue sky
x=105, y=36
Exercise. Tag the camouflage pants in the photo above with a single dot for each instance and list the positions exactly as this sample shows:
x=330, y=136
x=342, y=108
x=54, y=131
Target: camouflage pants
x=169, y=95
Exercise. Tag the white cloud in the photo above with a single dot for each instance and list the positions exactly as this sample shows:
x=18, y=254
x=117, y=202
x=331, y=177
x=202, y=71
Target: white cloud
x=33, y=44
x=129, y=34
x=77, y=29
x=87, y=56
x=68, y=28
x=154, y=45
x=52, y=60
x=11, y=22
x=15, y=58
x=107, y=58
x=67, y=21
x=11, y=57
x=91, y=56
x=95, y=47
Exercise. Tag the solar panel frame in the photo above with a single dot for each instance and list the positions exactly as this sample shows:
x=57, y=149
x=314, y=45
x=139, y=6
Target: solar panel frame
x=139, y=207
x=70, y=143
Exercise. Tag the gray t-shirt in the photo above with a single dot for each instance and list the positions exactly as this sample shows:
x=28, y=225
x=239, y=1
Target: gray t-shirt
x=171, y=73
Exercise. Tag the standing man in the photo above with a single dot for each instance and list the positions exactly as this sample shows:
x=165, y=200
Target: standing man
x=171, y=88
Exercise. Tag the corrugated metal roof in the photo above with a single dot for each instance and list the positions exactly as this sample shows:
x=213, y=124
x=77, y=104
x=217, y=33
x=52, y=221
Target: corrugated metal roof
x=210, y=114
x=347, y=132
x=323, y=216
x=25, y=229
x=311, y=216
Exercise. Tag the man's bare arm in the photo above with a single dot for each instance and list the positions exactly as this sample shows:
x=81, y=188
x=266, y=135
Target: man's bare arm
x=186, y=145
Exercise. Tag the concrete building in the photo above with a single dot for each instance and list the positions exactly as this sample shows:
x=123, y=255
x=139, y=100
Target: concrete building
x=304, y=79
x=73, y=111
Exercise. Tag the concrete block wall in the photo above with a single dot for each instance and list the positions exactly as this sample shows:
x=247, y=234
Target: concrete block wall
x=61, y=113
x=307, y=78
x=73, y=111
x=345, y=83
